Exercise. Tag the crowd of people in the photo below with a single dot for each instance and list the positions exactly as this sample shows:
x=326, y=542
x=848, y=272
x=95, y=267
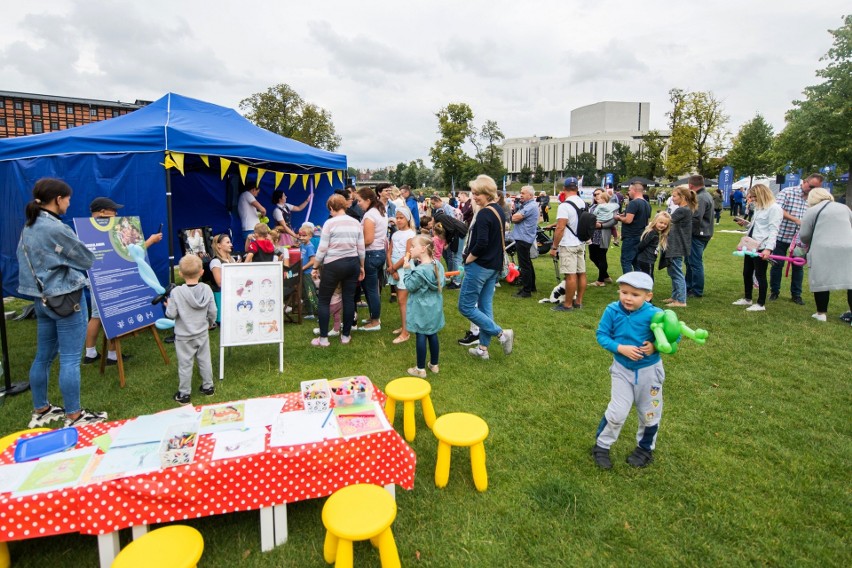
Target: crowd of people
x=386, y=236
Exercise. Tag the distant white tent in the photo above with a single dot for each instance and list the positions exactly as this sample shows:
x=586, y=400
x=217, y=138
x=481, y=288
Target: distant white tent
x=747, y=182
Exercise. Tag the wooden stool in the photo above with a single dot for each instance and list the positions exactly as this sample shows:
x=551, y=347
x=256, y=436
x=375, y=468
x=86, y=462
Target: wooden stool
x=174, y=546
x=461, y=429
x=359, y=512
x=408, y=390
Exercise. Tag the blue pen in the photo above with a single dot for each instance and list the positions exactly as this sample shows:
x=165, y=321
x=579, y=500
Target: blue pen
x=327, y=416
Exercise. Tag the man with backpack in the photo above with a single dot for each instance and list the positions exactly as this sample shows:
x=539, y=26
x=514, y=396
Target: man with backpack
x=633, y=223
x=572, y=215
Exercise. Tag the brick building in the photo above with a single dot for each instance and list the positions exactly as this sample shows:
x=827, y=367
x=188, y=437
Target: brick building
x=28, y=113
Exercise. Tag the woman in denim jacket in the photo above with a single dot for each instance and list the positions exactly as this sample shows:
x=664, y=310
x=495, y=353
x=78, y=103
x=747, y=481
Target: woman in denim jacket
x=50, y=251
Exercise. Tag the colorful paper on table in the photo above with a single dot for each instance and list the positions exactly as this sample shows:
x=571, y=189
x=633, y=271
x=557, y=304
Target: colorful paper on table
x=57, y=471
x=229, y=416
x=262, y=412
x=236, y=443
x=301, y=427
x=360, y=419
x=103, y=442
x=149, y=428
x=127, y=461
x=12, y=475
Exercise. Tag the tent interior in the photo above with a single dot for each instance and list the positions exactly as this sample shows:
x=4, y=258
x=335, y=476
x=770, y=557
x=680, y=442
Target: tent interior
x=126, y=159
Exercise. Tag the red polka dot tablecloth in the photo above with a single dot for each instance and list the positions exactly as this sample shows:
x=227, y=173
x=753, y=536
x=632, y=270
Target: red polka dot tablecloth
x=203, y=488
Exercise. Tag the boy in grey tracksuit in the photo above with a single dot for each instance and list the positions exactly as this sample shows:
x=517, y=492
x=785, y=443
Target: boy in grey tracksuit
x=194, y=311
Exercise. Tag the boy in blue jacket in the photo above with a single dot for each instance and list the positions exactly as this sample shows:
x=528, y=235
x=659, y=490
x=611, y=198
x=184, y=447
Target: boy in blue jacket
x=637, y=371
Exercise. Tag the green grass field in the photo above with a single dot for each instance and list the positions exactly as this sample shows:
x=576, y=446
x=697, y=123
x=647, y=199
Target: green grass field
x=752, y=465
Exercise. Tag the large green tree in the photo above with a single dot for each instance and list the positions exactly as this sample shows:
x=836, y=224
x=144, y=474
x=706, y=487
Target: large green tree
x=485, y=141
x=618, y=160
x=649, y=161
x=819, y=130
x=751, y=153
x=697, y=121
x=582, y=165
x=455, y=126
x=281, y=110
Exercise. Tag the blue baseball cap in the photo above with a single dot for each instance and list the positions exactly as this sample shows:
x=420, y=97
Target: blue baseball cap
x=570, y=182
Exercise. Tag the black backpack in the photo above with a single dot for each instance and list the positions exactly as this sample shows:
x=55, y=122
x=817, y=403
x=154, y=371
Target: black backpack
x=452, y=226
x=585, y=223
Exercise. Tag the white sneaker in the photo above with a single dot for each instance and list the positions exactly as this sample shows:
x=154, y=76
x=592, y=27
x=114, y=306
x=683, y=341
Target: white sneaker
x=742, y=302
x=39, y=420
x=756, y=308
x=819, y=317
x=415, y=372
x=479, y=353
x=331, y=332
x=507, y=340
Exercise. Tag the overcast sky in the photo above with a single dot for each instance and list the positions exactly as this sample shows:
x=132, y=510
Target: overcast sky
x=383, y=69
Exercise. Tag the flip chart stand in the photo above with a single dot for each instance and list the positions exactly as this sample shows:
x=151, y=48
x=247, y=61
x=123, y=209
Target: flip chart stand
x=117, y=342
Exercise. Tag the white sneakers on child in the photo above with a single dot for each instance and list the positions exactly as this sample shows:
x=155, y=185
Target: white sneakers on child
x=415, y=372
x=756, y=308
x=742, y=302
x=331, y=332
x=479, y=353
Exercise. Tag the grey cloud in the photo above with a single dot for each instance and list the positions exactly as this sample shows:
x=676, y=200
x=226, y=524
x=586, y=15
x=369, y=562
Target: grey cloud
x=480, y=58
x=612, y=62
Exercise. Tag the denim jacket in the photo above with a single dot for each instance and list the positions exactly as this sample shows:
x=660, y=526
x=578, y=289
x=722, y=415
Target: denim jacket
x=58, y=258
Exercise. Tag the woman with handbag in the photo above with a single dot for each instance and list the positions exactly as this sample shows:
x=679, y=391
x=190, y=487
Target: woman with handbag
x=762, y=233
x=53, y=262
x=484, y=259
x=827, y=230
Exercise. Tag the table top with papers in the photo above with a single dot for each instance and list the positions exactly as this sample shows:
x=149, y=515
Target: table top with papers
x=250, y=454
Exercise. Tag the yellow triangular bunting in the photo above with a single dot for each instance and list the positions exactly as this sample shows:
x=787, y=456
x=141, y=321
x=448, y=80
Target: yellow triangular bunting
x=329, y=173
x=178, y=159
x=293, y=178
x=305, y=181
x=206, y=160
x=316, y=180
x=224, y=164
x=243, y=171
x=169, y=163
x=340, y=176
x=278, y=177
x=260, y=173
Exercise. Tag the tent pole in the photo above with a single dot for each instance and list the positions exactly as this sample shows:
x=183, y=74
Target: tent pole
x=171, y=230
x=8, y=388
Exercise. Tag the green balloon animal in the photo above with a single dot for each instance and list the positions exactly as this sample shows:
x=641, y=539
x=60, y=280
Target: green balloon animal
x=667, y=328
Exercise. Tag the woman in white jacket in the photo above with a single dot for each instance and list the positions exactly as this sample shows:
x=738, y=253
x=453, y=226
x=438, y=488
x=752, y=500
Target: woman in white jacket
x=764, y=230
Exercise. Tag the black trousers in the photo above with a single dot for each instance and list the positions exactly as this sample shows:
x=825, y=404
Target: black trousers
x=598, y=256
x=821, y=299
x=755, y=268
x=344, y=271
x=525, y=265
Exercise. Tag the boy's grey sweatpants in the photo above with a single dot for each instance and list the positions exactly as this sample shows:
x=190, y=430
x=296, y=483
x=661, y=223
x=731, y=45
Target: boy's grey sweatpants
x=644, y=388
x=190, y=349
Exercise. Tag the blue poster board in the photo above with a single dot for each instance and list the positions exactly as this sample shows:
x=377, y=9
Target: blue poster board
x=122, y=297
x=726, y=181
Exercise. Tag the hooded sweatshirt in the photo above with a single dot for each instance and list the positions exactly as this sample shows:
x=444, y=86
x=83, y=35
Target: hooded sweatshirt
x=193, y=309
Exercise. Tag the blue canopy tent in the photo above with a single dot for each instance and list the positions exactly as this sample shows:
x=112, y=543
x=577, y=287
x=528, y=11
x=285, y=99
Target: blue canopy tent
x=125, y=159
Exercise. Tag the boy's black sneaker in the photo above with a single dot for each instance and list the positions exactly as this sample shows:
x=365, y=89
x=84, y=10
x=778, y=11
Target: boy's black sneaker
x=124, y=358
x=89, y=360
x=640, y=457
x=181, y=398
x=210, y=391
x=601, y=456
x=469, y=339
x=847, y=317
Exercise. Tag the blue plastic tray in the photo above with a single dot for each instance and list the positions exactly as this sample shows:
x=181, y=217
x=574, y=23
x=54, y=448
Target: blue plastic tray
x=45, y=444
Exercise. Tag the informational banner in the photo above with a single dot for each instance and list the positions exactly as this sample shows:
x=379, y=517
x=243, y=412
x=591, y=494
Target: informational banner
x=609, y=180
x=252, y=303
x=122, y=297
x=792, y=180
x=726, y=182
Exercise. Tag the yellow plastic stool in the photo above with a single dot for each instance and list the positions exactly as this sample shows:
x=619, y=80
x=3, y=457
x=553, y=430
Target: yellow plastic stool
x=5, y=442
x=408, y=390
x=174, y=546
x=359, y=512
x=461, y=429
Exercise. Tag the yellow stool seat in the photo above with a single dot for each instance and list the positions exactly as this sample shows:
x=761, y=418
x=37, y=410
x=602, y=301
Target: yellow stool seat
x=465, y=430
x=359, y=512
x=408, y=390
x=174, y=546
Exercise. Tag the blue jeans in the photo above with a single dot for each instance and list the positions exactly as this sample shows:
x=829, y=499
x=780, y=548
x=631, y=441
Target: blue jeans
x=777, y=271
x=629, y=250
x=695, y=267
x=476, y=299
x=458, y=259
x=420, y=348
x=675, y=270
x=65, y=337
x=374, y=263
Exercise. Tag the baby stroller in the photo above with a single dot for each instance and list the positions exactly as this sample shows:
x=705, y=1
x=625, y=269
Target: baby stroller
x=543, y=244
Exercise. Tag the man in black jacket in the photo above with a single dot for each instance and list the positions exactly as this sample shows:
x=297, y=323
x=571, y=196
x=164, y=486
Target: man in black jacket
x=702, y=232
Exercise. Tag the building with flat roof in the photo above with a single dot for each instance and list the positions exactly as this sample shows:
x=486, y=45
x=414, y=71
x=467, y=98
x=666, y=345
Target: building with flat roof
x=22, y=114
x=594, y=129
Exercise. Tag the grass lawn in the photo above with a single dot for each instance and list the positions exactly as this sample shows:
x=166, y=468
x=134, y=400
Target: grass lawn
x=752, y=464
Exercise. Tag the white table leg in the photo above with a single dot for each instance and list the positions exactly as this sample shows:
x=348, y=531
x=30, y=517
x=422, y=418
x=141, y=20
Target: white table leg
x=138, y=531
x=279, y=514
x=267, y=529
x=108, y=548
x=391, y=488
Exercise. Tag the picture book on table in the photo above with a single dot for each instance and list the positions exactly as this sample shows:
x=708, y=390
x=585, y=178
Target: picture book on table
x=229, y=416
x=360, y=419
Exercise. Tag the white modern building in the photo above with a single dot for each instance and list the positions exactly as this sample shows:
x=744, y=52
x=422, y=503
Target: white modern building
x=594, y=129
